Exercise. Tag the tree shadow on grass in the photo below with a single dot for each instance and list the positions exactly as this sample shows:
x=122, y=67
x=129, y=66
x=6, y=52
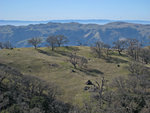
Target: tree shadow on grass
x=63, y=53
x=47, y=53
x=43, y=52
x=117, y=54
x=91, y=72
x=115, y=60
x=72, y=48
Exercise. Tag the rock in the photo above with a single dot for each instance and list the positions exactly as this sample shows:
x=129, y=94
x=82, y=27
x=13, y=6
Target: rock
x=118, y=65
x=29, y=67
x=89, y=82
x=73, y=71
x=93, y=89
x=86, y=87
x=30, y=71
x=54, y=65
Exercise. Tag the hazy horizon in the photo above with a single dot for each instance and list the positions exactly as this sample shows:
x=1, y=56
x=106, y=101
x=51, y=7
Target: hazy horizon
x=85, y=21
x=76, y=19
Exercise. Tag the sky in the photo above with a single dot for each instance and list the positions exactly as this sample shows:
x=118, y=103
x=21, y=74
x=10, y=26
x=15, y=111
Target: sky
x=74, y=9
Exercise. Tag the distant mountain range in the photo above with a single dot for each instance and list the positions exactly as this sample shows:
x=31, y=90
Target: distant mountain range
x=85, y=33
x=87, y=21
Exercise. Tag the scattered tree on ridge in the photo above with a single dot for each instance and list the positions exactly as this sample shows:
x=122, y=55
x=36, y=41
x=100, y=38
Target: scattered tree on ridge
x=77, y=60
x=97, y=48
x=35, y=42
x=6, y=45
x=52, y=41
x=145, y=55
x=120, y=45
x=61, y=39
x=107, y=49
x=1, y=45
x=134, y=48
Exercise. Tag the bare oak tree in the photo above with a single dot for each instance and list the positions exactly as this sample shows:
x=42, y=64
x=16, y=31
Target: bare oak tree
x=107, y=49
x=35, y=42
x=120, y=45
x=77, y=60
x=1, y=45
x=134, y=47
x=61, y=39
x=6, y=45
x=52, y=41
x=97, y=48
x=73, y=60
x=145, y=55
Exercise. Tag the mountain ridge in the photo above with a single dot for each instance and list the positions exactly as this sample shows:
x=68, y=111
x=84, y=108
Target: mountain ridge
x=82, y=21
x=85, y=33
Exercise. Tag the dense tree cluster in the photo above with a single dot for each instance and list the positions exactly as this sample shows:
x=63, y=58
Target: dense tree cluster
x=145, y=55
x=123, y=95
x=27, y=94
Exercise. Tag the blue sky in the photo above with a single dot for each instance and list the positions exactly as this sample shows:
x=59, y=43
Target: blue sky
x=74, y=9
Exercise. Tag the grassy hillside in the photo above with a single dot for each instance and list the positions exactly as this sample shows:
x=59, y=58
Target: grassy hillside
x=55, y=68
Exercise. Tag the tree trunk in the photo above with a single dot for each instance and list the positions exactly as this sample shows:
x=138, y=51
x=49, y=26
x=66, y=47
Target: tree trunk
x=52, y=47
x=74, y=65
x=58, y=45
x=35, y=46
x=119, y=52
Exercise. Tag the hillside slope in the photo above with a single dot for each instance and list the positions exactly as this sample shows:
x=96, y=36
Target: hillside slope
x=54, y=67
